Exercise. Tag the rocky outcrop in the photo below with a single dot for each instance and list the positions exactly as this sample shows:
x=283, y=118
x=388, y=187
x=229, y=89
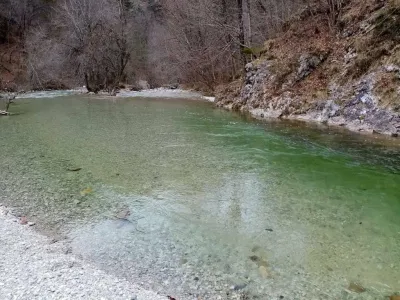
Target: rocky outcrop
x=355, y=105
x=351, y=82
x=308, y=62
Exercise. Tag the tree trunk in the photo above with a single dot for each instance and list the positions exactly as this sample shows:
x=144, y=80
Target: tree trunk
x=241, y=31
x=88, y=86
x=247, y=23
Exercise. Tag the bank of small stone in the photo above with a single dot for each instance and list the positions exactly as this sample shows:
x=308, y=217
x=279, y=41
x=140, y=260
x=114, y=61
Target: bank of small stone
x=35, y=267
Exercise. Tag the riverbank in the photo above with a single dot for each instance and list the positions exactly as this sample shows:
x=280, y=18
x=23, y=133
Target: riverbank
x=165, y=93
x=126, y=93
x=35, y=267
x=347, y=77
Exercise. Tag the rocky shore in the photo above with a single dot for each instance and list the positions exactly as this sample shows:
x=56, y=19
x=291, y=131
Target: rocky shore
x=348, y=78
x=354, y=106
x=36, y=267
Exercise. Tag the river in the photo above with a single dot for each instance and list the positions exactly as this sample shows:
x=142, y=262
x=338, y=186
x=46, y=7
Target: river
x=221, y=207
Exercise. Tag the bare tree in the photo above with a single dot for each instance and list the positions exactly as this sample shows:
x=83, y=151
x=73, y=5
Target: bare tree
x=94, y=33
x=102, y=43
x=86, y=41
x=209, y=41
x=334, y=8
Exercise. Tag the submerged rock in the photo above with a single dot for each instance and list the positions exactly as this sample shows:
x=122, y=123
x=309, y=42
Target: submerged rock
x=238, y=287
x=263, y=272
x=254, y=258
x=356, y=287
x=183, y=261
x=123, y=215
x=259, y=260
x=86, y=191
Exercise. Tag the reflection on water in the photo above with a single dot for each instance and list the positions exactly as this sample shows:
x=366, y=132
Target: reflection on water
x=219, y=206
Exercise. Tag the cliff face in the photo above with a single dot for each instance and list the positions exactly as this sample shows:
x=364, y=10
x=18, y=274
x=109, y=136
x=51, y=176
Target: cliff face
x=348, y=77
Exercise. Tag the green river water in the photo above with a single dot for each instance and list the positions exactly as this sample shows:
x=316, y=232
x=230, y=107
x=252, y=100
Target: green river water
x=221, y=207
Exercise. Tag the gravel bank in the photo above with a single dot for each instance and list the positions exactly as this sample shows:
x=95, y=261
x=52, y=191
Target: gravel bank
x=34, y=267
x=165, y=93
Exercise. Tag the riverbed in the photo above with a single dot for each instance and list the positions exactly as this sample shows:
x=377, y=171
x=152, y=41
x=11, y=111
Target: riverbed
x=220, y=206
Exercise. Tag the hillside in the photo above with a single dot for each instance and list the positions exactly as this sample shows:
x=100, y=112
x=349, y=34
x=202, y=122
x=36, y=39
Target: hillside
x=346, y=76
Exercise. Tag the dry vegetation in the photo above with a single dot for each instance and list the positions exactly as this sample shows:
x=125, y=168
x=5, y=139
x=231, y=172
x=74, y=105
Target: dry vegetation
x=366, y=31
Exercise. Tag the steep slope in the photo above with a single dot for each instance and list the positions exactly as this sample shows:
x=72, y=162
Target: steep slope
x=348, y=77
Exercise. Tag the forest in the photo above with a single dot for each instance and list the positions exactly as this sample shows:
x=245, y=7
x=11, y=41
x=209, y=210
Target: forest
x=56, y=44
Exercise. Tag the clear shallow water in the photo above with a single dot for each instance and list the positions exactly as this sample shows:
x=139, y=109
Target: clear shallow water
x=205, y=188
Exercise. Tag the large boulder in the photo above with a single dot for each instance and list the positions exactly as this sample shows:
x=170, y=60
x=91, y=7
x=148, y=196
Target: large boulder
x=308, y=62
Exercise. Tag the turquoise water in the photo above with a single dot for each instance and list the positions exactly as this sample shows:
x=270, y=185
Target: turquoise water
x=221, y=207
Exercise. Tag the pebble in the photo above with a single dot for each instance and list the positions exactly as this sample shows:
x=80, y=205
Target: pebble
x=238, y=287
x=24, y=248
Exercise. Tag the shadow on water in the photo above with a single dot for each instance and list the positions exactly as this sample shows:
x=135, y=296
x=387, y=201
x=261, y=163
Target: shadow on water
x=219, y=205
